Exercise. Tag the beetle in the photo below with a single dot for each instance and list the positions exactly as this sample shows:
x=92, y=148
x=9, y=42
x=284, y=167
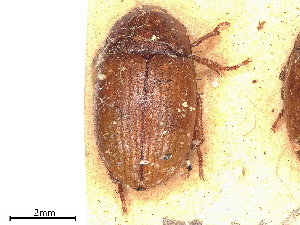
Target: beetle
x=147, y=112
x=290, y=75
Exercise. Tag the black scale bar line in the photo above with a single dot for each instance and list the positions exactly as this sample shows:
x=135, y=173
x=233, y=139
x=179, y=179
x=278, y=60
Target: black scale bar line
x=40, y=217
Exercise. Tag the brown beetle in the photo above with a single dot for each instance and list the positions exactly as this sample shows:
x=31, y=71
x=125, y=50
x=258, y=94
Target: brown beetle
x=147, y=110
x=290, y=75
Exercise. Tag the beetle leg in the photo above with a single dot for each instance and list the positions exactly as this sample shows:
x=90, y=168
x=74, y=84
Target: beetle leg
x=298, y=154
x=282, y=75
x=216, y=66
x=122, y=197
x=277, y=120
x=198, y=137
x=120, y=192
x=210, y=34
x=209, y=63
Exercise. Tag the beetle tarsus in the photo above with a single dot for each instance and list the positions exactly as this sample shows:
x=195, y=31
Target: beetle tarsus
x=198, y=136
x=245, y=62
x=277, y=120
x=210, y=34
x=122, y=197
x=216, y=66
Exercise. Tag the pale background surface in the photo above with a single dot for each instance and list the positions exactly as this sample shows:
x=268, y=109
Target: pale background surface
x=41, y=124
x=252, y=175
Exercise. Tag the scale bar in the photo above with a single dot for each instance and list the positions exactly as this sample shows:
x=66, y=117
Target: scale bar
x=42, y=217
